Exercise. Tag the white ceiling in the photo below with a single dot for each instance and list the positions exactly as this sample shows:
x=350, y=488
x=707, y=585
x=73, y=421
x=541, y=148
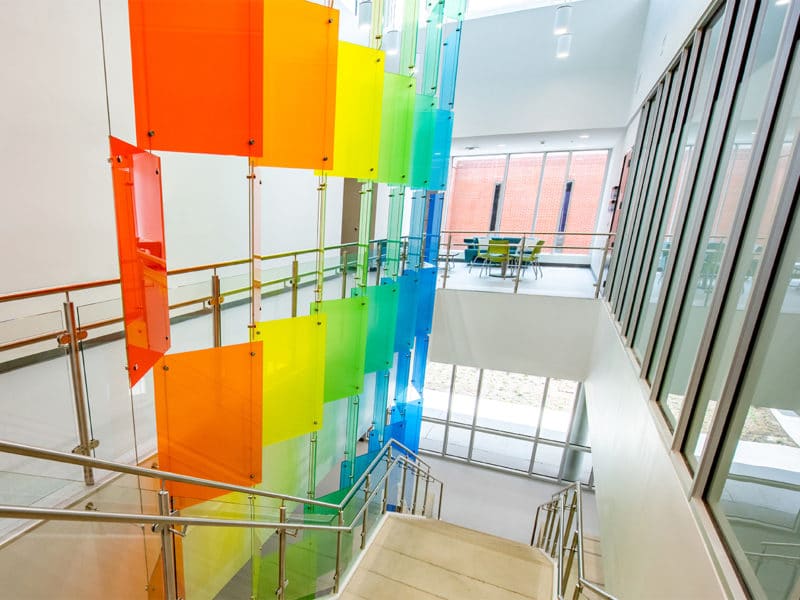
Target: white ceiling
x=486, y=8
x=511, y=82
x=586, y=139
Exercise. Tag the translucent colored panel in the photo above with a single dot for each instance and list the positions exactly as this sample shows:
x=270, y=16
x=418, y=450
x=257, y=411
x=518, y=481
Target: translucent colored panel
x=422, y=150
x=426, y=292
x=433, y=49
x=198, y=75
x=136, y=176
x=409, y=415
x=294, y=375
x=301, y=41
x=408, y=37
x=381, y=325
x=442, y=142
x=359, y=98
x=406, y=312
x=345, y=345
x=455, y=9
x=433, y=227
x=451, y=50
x=208, y=413
x=381, y=402
x=401, y=376
x=397, y=127
x=361, y=464
x=331, y=440
x=420, y=363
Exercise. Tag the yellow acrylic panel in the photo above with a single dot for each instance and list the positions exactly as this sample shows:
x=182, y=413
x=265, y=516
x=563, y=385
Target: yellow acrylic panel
x=359, y=98
x=294, y=375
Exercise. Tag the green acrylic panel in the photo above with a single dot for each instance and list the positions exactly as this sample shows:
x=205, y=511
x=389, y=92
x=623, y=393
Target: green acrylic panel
x=408, y=37
x=422, y=149
x=345, y=346
x=397, y=128
x=286, y=467
x=455, y=9
x=433, y=49
x=294, y=375
x=394, y=230
x=332, y=439
x=382, y=320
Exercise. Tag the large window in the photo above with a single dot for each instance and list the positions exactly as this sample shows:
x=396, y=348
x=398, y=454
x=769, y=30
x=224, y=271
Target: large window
x=550, y=193
x=535, y=425
x=706, y=282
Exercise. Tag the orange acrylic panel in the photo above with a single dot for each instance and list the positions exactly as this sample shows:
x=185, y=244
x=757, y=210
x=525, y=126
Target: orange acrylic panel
x=136, y=175
x=208, y=416
x=301, y=42
x=198, y=75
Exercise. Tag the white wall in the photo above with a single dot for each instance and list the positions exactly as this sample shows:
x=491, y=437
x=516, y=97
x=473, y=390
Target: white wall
x=546, y=336
x=668, y=25
x=652, y=545
x=510, y=81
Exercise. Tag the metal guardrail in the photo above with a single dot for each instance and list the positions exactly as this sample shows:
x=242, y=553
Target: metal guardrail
x=564, y=518
x=526, y=245
x=166, y=521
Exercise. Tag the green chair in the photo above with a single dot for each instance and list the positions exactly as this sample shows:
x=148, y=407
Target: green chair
x=480, y=258
x=532, y=259
x=498, y=254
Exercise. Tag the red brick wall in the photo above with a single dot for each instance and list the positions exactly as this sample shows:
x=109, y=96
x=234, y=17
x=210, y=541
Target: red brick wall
x=472, y=192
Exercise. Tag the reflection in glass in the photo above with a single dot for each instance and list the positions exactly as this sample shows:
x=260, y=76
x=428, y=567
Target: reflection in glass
x=755, y=492
x=521, y=189
x=437, y=390
x=748, y=265
x=720, y=212
x=666, y=232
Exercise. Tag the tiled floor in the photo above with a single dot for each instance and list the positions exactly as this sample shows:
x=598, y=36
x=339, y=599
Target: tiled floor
x=554, y=281
x=425, y=559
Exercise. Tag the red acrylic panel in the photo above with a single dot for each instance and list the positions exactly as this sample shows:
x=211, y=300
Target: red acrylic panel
x=301, y=42
x=208, y=416
x=198, y=75
x=136, y=176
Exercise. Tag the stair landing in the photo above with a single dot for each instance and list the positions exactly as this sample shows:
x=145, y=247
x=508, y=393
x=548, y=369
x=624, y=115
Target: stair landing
x=421, y=559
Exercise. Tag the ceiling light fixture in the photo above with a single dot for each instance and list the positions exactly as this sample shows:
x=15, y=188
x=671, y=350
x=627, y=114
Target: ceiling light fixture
x=365, y=14
x=563, y=15
x=563, y=45
x=584, y=136
x=781, y=2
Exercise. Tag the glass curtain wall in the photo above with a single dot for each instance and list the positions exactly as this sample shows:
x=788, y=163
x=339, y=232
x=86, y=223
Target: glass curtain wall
x=533, y=425
x=706, y=283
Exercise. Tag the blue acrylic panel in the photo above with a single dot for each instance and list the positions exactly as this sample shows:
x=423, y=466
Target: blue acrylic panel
x=426, y=292
x=442, y=144
x=450, y=52
x=406, y=312
x=413, y=424
x=402, y=376
x=433, y=227
x=420, y=362
x=381, y=403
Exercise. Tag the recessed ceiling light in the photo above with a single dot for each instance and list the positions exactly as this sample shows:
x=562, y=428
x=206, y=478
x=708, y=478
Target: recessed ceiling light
x=501, y=145
x=471, y=147
x=584, y=136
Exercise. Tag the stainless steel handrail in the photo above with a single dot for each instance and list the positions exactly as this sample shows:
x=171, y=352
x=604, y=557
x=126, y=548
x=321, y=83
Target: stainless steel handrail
x=553, y=539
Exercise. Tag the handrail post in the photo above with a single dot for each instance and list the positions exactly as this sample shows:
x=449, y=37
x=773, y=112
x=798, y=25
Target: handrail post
x=167, y=549
x=295, y=282
x=600, y=274
x=580, y=529
x=402, y=505
x=416, y=491
x=425, y=492
x=79, y=393
x=447, y=260
x=519, y=264
x=559, y=556
x=216, y=310
x=378, y=263
x=338, y=569
x=366, y=513
x=441, y=496
x=535, y=525
x=345, y=266
x=279, y=593
x=404, y=255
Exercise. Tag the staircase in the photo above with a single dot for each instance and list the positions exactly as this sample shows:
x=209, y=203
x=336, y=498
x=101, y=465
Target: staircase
x=412, y=558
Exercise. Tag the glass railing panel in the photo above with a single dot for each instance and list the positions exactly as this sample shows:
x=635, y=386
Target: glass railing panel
x=31, y=326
